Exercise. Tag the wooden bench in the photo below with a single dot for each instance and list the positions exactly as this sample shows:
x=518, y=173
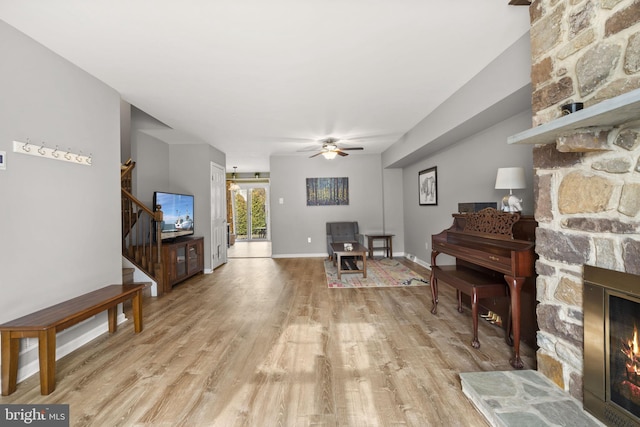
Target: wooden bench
x=45, y=323
x=470, y=282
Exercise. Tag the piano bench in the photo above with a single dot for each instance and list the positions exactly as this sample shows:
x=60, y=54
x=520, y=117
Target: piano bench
x=476, y=284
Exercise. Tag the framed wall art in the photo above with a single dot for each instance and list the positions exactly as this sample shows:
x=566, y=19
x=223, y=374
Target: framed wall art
x=428, y=186
x=327, y=191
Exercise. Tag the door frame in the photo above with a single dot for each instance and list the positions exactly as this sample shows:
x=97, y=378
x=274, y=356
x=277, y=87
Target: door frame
x=248, y=186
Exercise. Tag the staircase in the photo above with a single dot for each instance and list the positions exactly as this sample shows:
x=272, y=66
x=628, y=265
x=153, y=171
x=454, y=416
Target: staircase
x=127, y=275
x=141, y=228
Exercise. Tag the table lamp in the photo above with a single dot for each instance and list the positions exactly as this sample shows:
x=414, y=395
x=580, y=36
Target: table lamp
x=510, y=179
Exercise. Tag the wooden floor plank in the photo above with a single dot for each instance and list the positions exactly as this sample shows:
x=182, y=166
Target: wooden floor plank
x=264, y=342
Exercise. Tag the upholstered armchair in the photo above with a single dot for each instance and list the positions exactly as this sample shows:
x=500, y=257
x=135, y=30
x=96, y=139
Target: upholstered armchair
x=346, y=231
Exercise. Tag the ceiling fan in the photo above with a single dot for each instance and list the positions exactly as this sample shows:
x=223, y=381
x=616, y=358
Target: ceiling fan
x=330, y=149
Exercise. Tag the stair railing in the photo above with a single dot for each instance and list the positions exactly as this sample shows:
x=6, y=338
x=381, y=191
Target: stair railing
x=141, y=231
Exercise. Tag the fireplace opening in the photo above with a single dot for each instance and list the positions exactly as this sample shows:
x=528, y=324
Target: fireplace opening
x=611, y=346
x=624, y=355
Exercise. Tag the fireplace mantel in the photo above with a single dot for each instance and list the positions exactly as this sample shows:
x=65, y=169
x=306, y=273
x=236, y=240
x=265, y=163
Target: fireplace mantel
x=605, y=115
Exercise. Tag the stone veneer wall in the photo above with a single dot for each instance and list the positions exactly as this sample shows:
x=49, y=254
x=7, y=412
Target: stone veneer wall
x=587, y=185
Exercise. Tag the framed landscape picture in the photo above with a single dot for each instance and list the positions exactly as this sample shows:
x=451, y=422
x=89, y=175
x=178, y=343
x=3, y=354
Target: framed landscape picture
x=327, y=191
x=428, y=186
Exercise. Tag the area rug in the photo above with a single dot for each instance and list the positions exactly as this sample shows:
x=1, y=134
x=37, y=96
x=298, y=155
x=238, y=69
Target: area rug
x=381, y=273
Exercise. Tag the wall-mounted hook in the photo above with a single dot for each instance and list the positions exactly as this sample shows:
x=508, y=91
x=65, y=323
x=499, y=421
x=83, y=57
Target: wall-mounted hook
x=51, y=153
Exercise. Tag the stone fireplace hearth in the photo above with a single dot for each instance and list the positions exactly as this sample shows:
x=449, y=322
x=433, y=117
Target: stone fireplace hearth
x=587, y=166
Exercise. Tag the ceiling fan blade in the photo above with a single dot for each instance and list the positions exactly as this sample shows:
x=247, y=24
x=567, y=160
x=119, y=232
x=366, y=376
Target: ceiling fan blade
x=340, y=153
x=317, y=154
x=352, y=148
x=309, y=148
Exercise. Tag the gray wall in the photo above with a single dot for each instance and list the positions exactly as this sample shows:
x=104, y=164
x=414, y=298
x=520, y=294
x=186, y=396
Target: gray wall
x=293, y=221
x=393, y=199
x=190, y=172
x=61, y=221
x=125, y=131
x=466, y=173
x=152, y=166
x=177, y=168
x=500, y=90
x=465, y=138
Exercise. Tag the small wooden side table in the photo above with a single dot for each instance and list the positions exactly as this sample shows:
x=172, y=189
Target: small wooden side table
x=387, y=247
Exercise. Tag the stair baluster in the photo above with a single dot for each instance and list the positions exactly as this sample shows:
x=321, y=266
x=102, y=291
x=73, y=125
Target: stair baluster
x=141, y=230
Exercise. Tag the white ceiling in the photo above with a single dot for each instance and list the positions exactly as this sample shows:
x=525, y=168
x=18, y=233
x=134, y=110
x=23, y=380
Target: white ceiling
x=256, y=78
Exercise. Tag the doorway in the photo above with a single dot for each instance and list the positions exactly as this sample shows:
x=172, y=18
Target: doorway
x=250, y=207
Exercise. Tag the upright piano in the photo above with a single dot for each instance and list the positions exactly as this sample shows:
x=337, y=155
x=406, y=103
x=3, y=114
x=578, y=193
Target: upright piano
x=495, y=246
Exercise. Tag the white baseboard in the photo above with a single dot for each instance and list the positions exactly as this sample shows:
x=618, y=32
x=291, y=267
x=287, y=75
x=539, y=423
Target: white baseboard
x=417, y=260
x=322, y=255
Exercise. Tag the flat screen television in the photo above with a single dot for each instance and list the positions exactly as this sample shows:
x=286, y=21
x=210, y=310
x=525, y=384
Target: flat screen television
x=177, y=210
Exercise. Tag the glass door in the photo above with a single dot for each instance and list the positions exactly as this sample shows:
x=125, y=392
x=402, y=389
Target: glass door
x=250, y=203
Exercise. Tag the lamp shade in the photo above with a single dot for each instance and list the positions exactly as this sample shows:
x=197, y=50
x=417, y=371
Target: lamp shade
x=329, y=155
x=510, y=179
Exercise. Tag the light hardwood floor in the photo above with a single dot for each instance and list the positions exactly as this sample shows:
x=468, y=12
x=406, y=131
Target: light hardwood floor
x=254, y=249
x=264, y=342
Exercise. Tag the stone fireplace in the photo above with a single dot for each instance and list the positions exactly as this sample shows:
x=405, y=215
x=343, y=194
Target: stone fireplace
x=587, y=167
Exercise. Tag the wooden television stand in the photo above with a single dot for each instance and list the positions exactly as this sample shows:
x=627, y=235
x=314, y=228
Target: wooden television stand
x=181, y=258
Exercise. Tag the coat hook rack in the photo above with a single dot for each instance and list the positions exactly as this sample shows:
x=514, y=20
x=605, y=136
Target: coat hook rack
x=40, y=150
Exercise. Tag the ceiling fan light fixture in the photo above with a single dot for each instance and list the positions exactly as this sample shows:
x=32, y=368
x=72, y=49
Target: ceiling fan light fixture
x=329, y=155
x=330, y=149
